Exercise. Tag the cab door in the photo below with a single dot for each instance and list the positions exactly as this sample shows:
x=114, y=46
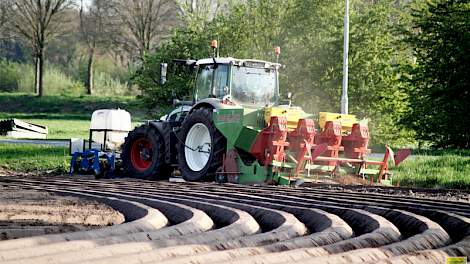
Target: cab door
x=212, y=81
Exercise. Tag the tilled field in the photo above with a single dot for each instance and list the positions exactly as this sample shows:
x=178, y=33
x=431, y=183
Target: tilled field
x=26, y=213
x=209, y=223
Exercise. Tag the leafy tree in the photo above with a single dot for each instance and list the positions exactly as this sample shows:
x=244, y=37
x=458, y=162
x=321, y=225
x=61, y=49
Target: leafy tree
x=237, y=32
x=314, y=52
x=311, y=36
x=438, y=83
x=184, y=44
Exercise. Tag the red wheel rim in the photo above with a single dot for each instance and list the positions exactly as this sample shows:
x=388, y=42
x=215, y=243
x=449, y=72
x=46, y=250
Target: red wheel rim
x=141, y=154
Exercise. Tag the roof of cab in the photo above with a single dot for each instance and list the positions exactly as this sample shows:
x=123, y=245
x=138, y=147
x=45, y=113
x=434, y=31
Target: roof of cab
x=227, y=60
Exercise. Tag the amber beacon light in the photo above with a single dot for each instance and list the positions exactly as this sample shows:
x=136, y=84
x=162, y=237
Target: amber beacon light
x=214, y=44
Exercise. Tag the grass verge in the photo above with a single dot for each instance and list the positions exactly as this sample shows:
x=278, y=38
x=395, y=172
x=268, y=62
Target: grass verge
x=77, y=106
x=436, y=169
x=65, y=116
x=34, y=158
x=59, y=126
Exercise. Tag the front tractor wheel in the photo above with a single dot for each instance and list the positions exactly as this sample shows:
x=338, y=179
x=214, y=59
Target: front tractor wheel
x=143, y=154
x=201, y=148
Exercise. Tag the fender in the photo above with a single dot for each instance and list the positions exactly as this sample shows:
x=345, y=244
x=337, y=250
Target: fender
x=214, y=103
x=158, y=125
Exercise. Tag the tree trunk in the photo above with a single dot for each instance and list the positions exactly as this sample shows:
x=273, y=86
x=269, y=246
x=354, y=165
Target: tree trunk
x=142, y=53
x=193, y=6
x=36, y=76
x=38, y=82
x=90, y=81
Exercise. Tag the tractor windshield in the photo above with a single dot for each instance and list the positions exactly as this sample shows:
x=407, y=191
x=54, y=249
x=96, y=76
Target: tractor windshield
x=254, y=86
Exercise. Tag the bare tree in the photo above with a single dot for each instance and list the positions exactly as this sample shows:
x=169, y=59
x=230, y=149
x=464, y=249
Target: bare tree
x=38, y=22
x=145, y=23
x=201, y=10
x=188, y=7
x=4, y=4
x=97, y=26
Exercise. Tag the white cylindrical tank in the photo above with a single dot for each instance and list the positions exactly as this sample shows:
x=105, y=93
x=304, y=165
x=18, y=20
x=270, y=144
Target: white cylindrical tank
x=116, y=122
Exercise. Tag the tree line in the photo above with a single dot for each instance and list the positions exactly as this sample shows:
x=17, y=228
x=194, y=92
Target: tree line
x=408, y=60
x=128, y=28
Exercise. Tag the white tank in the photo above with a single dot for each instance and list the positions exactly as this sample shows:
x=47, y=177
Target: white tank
x=116, y=122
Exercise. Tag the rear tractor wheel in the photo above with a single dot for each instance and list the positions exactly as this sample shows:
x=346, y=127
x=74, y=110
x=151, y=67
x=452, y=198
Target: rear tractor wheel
x=143, y=154
x=202, y=146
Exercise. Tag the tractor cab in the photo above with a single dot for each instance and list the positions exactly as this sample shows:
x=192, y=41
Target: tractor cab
x=244, y=82
x=250, y=84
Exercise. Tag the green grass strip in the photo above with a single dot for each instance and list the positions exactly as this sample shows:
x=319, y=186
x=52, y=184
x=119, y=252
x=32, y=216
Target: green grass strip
x=34, y=158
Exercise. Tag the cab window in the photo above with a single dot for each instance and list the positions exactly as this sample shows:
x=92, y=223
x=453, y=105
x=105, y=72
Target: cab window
x=212, y=81
x=204, y=81
x=220, y=81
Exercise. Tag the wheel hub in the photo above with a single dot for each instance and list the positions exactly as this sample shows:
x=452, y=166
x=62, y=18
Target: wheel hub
x=145, y=154
x=198, y=147
x=141, y=154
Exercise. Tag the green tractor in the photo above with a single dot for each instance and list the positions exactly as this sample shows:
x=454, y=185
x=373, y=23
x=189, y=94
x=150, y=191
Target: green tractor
x=237, y=129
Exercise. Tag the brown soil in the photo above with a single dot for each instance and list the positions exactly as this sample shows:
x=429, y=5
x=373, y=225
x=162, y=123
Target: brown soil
x=349, y=183
x=26, y=213
x=351, y=180
x=322, y=223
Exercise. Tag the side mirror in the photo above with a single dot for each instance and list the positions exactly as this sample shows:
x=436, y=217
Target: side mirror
x=163, y=70
x=177, y=102
x=289, y=99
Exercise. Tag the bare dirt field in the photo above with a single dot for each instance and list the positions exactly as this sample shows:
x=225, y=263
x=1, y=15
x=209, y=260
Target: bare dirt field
x=28, y=213
x=170, y=222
